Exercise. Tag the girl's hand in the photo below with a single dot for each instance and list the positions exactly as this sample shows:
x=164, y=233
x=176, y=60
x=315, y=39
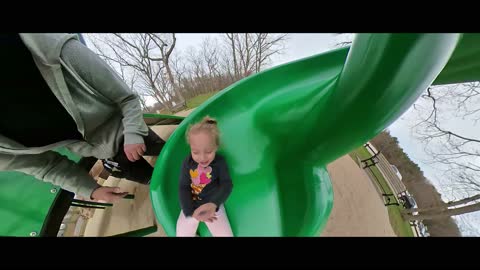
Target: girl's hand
x=205, y=212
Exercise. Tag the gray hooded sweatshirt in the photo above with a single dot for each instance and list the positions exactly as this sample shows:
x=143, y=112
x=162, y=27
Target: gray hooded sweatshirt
x=104, y=109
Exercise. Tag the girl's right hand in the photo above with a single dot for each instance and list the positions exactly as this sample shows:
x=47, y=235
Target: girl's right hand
x=205, y=216
x=212, y=219
x=205, y=213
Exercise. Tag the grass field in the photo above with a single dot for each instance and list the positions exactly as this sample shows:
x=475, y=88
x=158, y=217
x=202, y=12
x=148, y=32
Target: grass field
x=198, y=100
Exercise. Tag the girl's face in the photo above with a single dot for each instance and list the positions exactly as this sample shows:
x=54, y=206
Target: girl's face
x=203, y=148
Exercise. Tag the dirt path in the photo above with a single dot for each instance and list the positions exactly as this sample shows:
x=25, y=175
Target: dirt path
x=357, y=208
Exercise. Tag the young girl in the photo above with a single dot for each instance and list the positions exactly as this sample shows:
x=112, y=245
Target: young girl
x=205, y=183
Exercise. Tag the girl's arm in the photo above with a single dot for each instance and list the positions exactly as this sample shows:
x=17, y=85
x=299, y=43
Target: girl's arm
x=185, y=192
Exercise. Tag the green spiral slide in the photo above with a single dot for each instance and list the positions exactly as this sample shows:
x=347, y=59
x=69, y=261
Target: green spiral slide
x=281, y=127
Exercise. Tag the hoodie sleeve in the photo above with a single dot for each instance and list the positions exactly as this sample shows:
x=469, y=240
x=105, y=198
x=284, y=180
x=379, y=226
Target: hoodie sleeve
x=106, y=82
x=53, y=168
x=185, y=191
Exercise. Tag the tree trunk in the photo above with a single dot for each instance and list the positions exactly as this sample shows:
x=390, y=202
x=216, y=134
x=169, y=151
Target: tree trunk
x=172, y=81
x=247, y=55
x=259, y=53
x=444, y=207
x=143, y=103
x=444, y=214
x=163, y=101
x=158, y=95
x=235, y=65
x=166, y=63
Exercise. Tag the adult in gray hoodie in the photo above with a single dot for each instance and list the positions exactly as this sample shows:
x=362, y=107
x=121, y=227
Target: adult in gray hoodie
x=78, y=102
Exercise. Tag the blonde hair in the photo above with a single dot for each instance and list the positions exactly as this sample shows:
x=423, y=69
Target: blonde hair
x=208, y=125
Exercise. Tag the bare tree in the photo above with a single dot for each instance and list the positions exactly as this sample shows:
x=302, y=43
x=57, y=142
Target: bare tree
x=209, y=67
x=455, y=149
x=143, y=102
x=197, y=72
x=210, y=54
x=131, y=80
x=168, y=78
x=267, y=45
x=447, y=116
x=128, y=75
x=245, y=51
x=138, y=52
x=206, y=63
x=343, y=44
x=343, y=39
x=180, y=70
x=166, y=44
x=252, y=51
x=227, y=64
x=160, y=92
x=231, y=42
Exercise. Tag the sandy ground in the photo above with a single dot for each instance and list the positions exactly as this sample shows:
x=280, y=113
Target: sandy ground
x=357, y=209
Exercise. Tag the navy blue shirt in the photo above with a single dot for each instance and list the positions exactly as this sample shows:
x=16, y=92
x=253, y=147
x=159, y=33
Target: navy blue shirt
x=200, y=185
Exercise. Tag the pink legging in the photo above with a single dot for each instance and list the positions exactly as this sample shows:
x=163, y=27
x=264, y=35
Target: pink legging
x=187, y=226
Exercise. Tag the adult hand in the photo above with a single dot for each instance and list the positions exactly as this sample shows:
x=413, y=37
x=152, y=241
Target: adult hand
x=108, y=194
x=134, y=151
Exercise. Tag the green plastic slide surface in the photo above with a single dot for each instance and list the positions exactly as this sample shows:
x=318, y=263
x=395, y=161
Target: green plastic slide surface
x=464, y=65
x=281, y=127
x=25, y=202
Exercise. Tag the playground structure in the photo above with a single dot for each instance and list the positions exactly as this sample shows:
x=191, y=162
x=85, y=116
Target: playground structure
x=281, y=127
